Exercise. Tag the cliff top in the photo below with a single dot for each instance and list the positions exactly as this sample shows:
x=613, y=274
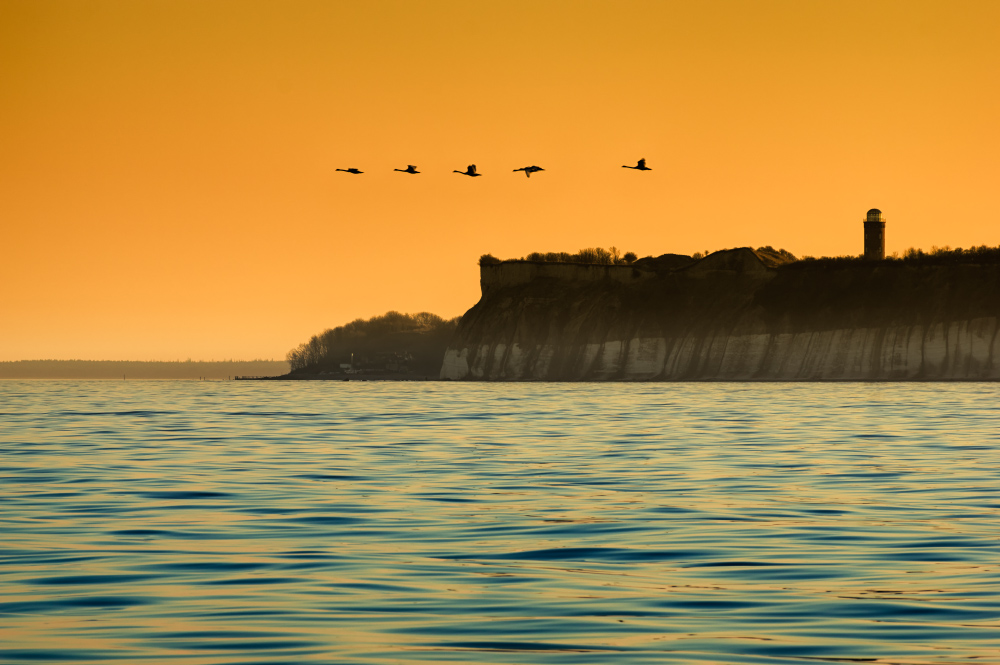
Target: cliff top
x=740, y=259
x=743, y=259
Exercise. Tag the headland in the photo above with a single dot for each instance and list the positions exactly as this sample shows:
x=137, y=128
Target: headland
x=734, y=315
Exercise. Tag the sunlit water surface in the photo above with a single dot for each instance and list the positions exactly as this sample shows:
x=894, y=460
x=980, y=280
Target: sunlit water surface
x=244, y=522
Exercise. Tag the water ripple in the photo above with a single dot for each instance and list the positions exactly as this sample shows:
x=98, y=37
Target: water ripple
x=375, y=523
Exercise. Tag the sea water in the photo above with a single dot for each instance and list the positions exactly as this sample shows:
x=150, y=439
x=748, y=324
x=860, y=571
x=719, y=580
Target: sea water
x=379, y=522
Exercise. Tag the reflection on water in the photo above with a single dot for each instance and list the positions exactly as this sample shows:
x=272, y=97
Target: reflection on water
x=546, y=523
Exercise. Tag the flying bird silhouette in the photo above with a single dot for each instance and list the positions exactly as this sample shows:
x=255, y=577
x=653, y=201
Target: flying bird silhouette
x=351, y=170
x=641, y=166
x=410, y=168
x=470, y=171
x=528, y=170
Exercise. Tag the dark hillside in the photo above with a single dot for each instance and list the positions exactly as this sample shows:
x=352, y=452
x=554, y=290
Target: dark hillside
x=392, y=344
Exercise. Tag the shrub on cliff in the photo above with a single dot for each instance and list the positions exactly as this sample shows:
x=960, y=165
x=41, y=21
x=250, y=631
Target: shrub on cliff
x=591, y=255
x=488, y=260
x=937, y=256
x=774, y=257
x=776, y=253
x=947, y=255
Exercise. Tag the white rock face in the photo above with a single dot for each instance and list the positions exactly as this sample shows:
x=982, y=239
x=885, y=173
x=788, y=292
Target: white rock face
x=960, y=350
x=456, y=364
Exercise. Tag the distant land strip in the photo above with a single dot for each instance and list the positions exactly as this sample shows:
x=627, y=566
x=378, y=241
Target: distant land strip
x=139, y=369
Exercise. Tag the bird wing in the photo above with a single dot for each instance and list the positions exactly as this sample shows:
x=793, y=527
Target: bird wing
x=642, y=162
x=472, y=168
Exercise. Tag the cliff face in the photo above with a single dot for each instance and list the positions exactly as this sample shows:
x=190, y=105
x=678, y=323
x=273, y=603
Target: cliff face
x=729, y=317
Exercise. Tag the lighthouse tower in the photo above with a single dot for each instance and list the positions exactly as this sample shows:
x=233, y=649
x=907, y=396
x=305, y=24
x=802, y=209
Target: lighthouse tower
x=874, y=235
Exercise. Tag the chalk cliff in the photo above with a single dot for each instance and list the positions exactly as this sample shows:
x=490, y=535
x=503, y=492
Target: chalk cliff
x=729, y=317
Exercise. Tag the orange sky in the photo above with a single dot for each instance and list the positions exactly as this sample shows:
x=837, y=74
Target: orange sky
x=167, y=183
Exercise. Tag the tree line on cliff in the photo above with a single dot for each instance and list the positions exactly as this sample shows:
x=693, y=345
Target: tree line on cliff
x=936, y=256
x=591, y=255
x=613, y=256
x=772, y=257
x=416, y=341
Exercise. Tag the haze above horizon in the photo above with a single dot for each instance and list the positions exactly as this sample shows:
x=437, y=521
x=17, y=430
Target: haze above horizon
x=167, y=169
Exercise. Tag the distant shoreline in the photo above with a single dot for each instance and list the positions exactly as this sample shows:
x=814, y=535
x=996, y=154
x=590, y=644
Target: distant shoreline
x=116, y=370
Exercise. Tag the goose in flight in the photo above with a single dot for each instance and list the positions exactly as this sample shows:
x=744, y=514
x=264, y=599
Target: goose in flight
x=410, y=168
x=528, y=170
x=641, y=166
x=351, y=170
x=470, y=171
